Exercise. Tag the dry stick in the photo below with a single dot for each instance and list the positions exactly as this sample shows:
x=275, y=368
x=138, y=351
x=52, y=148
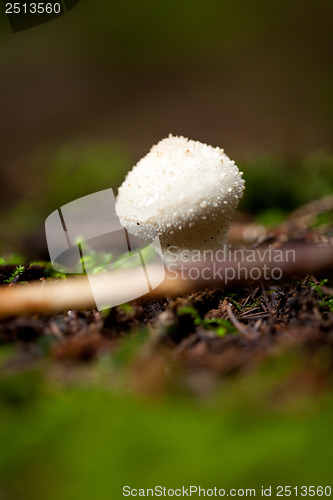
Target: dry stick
x=245, y=331
x=75, y=293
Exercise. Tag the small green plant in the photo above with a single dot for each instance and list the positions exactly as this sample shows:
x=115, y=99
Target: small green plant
x=327, y=303
x=220, y=326
x=127, y=308
x=15, y=275
x=318, y=287
x=49, y=271
x=233, y=301
x=327, y=298
x=96, y=261
x=92, y=260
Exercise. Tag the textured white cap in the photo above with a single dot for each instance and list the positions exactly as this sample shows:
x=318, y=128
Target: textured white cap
x=183, y=191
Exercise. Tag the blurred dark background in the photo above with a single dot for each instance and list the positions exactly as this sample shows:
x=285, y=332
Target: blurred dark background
x=83, y=97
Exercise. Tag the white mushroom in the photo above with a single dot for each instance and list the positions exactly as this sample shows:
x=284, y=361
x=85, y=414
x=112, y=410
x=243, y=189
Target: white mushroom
x=183, y=191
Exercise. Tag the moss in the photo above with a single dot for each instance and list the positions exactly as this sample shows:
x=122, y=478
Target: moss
x=219, y=325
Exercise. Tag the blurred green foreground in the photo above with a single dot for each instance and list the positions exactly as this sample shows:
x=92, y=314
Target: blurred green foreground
x=83, y=440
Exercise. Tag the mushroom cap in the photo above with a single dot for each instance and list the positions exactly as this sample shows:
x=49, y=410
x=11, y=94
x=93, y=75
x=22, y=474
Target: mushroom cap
x=182, y=191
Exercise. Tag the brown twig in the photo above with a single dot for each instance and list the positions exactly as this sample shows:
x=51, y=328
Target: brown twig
x=244, y=330
x=75, y=293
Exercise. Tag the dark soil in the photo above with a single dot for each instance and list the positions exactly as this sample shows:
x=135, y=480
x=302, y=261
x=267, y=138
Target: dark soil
x=191, y=341
x=291, y=317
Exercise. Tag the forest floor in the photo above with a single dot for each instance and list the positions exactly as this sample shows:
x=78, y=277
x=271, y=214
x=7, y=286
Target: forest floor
x=170, y=390
x=205, y=335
